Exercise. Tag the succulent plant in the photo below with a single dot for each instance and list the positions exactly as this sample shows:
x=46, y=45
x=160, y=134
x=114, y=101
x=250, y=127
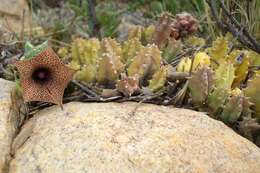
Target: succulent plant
x=147, y=34
x=237, y=105
x=63, y=52
x=232, y=110
x=201, y=59
x=109, y=65
x=111, y=46
x=195, y=41
x=219, y=50
x=216, y=99
x=171, y=49
x=184, y=65
x=254, y=58
x=128, y=85
x=250, y=128
x=253, y=92
x=31, y=51
x=130, y=48
x=84, y=58
x=86, y=74
x=224, y=77
x=85, y=51
x=241, y=64
x=163, y=29
x=102, y=62
x=131, y=67
x=216, y=76
x=135, y=32
x=108, y=69
x=145, y=63
x=200, y=85
x=158, y=80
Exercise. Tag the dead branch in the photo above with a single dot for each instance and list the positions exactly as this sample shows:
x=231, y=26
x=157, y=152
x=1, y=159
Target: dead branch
x=230, y=24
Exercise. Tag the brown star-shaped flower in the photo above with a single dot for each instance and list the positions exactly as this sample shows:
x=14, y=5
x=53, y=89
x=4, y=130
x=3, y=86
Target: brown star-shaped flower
x=44, y=77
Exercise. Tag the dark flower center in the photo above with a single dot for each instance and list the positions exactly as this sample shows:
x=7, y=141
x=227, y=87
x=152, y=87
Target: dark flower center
x=41, y=75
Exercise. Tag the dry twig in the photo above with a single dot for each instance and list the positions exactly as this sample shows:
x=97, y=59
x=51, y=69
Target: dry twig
x=233, y=26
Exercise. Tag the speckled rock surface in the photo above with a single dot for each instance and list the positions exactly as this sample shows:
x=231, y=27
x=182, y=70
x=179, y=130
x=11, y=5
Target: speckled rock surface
x=117, y=137
x=5, y=133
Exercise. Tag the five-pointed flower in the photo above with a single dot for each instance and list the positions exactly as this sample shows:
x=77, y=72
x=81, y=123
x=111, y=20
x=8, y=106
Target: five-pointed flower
x=44, y=77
